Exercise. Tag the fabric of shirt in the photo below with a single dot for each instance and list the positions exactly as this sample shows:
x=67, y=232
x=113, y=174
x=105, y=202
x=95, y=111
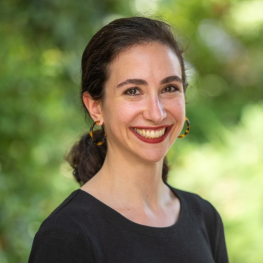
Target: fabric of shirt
x=83, y=229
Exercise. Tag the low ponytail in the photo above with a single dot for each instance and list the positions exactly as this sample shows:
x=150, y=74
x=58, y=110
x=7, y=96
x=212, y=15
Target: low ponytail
x=165, y=170
x=86, y=158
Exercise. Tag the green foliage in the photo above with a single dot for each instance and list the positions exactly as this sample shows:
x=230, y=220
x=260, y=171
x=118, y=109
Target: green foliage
x=229, y=175
x=40, y=114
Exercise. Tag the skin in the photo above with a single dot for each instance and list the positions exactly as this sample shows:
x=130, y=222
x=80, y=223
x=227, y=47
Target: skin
x=130, y=179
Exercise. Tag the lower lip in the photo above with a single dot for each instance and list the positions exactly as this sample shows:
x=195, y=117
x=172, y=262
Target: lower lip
x=152, y=140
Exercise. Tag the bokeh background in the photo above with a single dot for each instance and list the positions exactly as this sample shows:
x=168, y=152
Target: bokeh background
x=41, y=43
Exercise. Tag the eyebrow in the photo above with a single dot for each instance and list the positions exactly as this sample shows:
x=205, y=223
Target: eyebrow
x=143, y=82
x=171, y=79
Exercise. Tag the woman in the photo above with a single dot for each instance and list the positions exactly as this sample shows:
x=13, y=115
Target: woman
x=133, y=86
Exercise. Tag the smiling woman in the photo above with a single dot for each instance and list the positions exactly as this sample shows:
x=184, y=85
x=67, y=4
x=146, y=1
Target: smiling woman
x=133, y=86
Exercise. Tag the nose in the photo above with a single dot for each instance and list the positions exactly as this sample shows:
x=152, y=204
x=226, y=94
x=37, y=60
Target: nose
x=154, y=110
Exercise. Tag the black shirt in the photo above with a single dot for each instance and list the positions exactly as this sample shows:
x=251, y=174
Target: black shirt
x=83, y=229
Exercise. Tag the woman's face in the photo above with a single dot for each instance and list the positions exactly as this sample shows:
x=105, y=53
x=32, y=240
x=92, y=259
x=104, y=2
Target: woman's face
x=143, y=109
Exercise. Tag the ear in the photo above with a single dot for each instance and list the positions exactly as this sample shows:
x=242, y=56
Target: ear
x=93, y=107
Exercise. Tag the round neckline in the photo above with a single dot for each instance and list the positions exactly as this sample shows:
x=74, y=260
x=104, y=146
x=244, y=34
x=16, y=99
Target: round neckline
x=112, y=215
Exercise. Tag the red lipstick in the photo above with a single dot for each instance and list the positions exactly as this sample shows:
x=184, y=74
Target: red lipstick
x=152, y=140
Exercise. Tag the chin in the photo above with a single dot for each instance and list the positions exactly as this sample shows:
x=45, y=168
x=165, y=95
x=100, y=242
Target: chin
x=151, y=157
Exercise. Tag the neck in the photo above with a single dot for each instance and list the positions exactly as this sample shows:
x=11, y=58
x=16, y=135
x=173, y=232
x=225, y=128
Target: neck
x=133, y=182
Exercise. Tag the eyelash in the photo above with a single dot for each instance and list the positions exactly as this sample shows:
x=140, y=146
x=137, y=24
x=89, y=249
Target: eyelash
x=172, y=86
x=127, y=92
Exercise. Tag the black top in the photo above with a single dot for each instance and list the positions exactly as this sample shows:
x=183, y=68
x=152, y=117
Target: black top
x=83, y=229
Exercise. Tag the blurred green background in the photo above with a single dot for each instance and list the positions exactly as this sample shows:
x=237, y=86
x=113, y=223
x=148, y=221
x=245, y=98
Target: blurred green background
x=41, y=43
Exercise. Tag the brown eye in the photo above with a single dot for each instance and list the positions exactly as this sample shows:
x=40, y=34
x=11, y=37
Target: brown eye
x=132, y=92
x=170, y=88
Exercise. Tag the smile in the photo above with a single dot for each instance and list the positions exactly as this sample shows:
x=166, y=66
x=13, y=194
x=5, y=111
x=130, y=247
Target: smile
x=151, y=135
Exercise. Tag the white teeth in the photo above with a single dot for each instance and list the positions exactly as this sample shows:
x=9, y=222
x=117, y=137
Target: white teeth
x=150, y=133
x=147, y=133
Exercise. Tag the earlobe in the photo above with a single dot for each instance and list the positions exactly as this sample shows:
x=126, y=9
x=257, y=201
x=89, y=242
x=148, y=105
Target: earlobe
x=93, y=107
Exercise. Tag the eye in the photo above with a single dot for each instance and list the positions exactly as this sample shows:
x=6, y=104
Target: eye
x=170, y=88
x=132, y=92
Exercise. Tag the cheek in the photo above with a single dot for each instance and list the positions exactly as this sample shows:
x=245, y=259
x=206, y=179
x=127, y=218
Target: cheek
x=177, y=108
x=132, y=111
x=121, y=114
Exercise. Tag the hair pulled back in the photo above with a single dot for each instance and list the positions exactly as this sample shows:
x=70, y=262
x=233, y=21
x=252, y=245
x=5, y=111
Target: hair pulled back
x=85, y=157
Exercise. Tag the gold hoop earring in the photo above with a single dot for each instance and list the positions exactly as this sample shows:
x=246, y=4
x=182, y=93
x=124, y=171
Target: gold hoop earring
x=91, y=134
x=187, y=129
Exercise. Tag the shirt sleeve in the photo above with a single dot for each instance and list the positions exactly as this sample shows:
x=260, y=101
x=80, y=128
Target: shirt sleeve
x=220, y=249
x=60, y=240
x=216, y=233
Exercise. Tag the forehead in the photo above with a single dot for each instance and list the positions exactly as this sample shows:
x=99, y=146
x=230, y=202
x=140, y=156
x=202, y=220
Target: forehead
x=153, y=60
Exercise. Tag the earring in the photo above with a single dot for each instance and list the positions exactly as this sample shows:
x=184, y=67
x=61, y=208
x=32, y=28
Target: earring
x=91, y=134
x=187, y=128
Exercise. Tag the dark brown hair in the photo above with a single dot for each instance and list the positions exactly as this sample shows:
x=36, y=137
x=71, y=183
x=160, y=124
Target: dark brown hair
x=85, y=157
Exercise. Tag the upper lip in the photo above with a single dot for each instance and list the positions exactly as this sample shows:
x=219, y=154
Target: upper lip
x=150, y=128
